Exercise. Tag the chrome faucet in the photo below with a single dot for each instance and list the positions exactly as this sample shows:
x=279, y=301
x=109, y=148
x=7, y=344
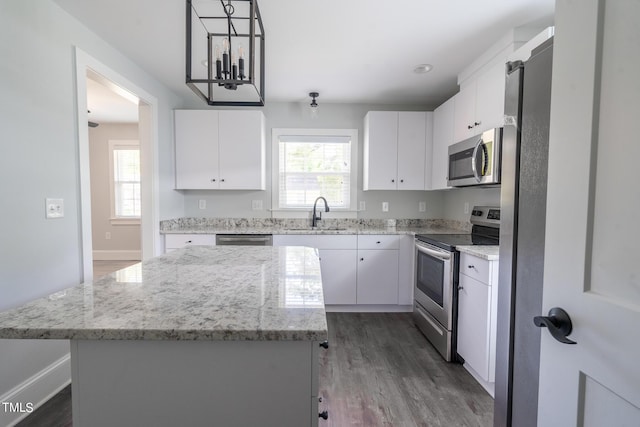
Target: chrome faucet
x=318, y=216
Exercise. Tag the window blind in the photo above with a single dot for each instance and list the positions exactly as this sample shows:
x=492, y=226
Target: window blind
x=311, y=166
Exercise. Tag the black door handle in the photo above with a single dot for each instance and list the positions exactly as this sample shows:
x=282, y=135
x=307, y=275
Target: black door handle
x=559, y=324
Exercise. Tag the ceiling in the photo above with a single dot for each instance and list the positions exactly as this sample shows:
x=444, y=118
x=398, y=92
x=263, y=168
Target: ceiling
x=355, y=51
x=107, y=104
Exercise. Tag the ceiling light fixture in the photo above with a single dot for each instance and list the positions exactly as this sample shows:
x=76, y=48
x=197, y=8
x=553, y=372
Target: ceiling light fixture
x=313, y=107
x=313, y=96
x=423, y=68
x=217, y=34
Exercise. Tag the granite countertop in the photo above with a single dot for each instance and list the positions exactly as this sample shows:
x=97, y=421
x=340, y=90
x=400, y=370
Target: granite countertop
x=330, y=226
x=195, y=293
x=490, y=253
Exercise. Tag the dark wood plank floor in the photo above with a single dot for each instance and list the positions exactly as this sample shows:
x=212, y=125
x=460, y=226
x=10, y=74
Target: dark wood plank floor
x=378, y=371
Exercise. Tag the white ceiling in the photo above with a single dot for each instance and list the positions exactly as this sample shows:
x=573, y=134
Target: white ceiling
x=355, y=51
x=105, y=105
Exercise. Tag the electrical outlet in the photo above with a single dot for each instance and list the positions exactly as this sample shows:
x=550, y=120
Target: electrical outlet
x=385, y=206
x=363, y=205
x=202, y=204
x=466, y=207
x=54, y=208
x=107, y=235
x=422, y=206
x=256, y=205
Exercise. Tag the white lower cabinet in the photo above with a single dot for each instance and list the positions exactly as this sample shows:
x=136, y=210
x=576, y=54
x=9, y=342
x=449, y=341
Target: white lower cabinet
x=378, y=269
x=477, y=310
x=338, y=275
x=377, y=276
x=360, y=269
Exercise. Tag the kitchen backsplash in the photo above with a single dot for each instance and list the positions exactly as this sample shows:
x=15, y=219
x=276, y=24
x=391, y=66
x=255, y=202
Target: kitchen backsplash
x=231, y=223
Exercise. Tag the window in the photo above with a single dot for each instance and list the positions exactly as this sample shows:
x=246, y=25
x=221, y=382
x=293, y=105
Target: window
x=308, y=163
x=124, y=160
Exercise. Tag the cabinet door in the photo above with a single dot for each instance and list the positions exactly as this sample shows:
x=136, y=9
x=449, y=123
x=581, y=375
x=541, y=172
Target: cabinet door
x=196, y=144
x=490, y=98
x=464, y=112
x=473, y=324
x=242, y=156
x=338, y=267
x=381, y=150
x=412, y=140
x=377, y=276
x=442, y=138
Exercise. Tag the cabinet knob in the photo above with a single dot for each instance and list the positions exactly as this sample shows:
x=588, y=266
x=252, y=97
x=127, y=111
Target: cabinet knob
x=460, y=288
x=378, y=242
x=471, y=266
x=188, y=241
x=324, y=415
x=469, y=127
x=213, y=180
x=477, y=124
x=393, y=180
x=324, y=344
x=222, y=180
x=361, y=259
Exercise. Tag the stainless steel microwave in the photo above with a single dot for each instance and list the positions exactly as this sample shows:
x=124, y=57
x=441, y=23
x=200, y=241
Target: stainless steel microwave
x=476, y=161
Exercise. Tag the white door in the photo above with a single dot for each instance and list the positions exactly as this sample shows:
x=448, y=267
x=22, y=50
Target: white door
x=381, y=150
x=196, y=145
x=593, y=210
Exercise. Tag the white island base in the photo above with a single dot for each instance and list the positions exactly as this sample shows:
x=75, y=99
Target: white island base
x=194, y=383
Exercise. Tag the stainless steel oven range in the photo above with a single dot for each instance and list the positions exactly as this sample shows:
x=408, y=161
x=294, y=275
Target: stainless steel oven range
x=436, y=278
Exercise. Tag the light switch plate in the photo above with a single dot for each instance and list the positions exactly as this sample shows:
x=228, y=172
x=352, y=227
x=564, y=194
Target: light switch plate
x=363, y=205
x=54, y=208
x=422, y=206
x=385, y=206
x=202, y=204
x=256, y=205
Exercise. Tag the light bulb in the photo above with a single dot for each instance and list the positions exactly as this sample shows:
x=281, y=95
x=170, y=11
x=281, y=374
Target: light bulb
x=225, y=45
x=217, y=52
x=241, y=52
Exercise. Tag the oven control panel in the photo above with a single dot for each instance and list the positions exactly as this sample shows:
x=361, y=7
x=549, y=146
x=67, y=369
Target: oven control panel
x=486, y=215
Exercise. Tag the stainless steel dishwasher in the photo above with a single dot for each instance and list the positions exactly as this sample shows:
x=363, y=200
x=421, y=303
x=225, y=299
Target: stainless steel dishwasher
x=244, y=239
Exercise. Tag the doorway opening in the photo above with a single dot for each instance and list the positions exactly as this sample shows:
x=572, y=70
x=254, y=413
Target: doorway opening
x=117, y=160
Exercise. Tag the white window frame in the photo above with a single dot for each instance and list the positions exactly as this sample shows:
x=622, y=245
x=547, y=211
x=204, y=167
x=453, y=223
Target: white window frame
x=277, y=211
x=114, y=145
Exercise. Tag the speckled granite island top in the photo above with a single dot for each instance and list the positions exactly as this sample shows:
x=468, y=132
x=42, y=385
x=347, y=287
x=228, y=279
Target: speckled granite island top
x=196, y=293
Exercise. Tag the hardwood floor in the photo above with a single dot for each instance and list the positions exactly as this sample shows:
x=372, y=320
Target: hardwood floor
x=101, y=268
x=378, y=371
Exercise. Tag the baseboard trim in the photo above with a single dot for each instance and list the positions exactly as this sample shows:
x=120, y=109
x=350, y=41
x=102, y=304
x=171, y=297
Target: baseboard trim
x=111, y=255
x=368, y=308
x=37, y=389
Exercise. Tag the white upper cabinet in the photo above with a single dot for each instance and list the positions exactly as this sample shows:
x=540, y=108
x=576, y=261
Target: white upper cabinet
x=218, y=149
x=242, y=150
x=479, y=105
x=442, y=138
x=196, y=139
x=395, y=150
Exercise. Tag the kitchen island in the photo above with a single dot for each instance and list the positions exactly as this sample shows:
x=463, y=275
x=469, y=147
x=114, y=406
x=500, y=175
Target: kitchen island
x=201, y=336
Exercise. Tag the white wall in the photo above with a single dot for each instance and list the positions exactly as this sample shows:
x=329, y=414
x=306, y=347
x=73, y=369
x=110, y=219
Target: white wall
x=123, y=237
x=402, y=204
x=455, y=199
x=39, y=159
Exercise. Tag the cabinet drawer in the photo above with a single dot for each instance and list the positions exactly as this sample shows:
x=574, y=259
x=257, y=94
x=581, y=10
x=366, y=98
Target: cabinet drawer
x=476, y=268
x=378, y=241
x=173, y=241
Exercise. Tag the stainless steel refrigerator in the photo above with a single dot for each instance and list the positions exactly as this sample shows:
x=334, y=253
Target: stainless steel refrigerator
x=523, y=209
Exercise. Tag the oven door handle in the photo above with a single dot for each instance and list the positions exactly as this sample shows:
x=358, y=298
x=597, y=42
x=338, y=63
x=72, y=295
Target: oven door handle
x=432, y=252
